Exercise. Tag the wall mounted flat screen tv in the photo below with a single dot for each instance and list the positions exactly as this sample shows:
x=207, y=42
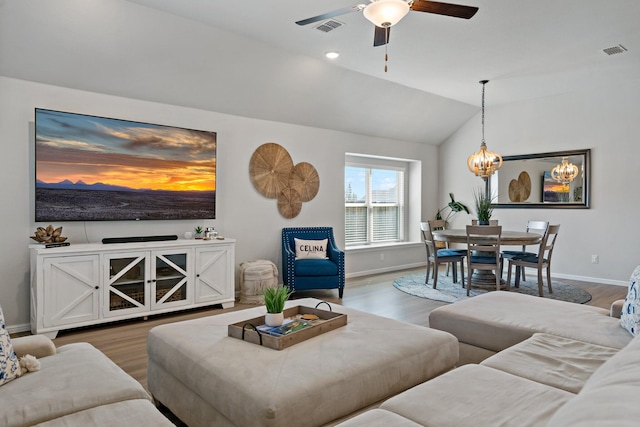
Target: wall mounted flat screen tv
x=92, y=168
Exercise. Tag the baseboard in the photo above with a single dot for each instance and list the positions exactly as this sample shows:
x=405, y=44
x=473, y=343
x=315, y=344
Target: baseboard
x=553, y=275
x=25, y=327
x=589, y=279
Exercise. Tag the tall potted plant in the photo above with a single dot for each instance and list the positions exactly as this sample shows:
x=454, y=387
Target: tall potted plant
x=484, y=206
x=274, y=299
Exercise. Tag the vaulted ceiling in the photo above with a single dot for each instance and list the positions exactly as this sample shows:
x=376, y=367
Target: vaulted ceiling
x=249, y=58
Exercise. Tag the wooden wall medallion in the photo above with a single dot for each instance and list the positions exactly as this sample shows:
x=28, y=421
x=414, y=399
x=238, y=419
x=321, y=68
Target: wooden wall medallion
x=305, y=180
x=269, y=168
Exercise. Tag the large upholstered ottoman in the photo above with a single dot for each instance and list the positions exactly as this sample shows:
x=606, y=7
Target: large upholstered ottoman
x=207, y=378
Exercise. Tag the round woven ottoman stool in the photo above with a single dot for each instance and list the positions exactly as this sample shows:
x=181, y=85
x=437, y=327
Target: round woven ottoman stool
x=255, y=275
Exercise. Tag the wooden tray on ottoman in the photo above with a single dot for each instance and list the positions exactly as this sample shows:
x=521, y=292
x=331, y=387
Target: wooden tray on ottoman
x=247, y=330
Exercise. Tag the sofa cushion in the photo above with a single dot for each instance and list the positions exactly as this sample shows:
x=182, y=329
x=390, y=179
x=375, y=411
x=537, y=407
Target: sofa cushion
x=78, y=377
x=630, y=315
x=378, y=418
x=311, y=249
x=316, y=267
x=477, y=396
x=609, y=397
x=136, y=412
x=555, y=361
x=498, y=320
x=9, y=363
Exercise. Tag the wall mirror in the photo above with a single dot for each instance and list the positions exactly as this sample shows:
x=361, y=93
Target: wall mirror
x=544, y=180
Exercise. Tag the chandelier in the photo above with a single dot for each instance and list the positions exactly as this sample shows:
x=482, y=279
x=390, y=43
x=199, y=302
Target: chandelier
x=564, y=172
x=484, y=163
x=385, y=13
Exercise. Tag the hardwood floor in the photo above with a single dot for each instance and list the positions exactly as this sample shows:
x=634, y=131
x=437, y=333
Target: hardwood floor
x=125, y=342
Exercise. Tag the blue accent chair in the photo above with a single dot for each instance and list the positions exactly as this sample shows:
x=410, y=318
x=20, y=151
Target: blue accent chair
x=304, y=274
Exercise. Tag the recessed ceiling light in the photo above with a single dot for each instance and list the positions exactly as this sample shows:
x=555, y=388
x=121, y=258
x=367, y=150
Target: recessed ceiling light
x=332, y=54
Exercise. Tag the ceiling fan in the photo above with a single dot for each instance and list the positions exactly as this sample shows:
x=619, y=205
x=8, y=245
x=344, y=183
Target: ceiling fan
x=386, y=13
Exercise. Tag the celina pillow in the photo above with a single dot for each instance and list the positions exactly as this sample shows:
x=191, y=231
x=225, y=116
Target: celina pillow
x=630, y=316
x=9, y=363
x=311, y=249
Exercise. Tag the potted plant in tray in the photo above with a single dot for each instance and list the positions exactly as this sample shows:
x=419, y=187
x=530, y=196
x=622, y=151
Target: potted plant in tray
x=274, y=299
x=198, y=231
x=484, y=206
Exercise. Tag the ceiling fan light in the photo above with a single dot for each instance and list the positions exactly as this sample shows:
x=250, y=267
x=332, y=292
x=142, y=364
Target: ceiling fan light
x=385, y=13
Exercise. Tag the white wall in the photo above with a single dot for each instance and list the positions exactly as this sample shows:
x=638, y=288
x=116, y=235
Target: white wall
x=242, y=213
x=605, y=121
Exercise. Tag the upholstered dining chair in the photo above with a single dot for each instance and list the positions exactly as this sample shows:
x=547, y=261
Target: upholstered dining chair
x=441, y=224
x=539, y=227
x=436, y=256
x=311, y=259
x=540, y=261
x=483, y=251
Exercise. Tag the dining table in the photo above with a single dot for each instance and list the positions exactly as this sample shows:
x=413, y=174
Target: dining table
x=485, y=278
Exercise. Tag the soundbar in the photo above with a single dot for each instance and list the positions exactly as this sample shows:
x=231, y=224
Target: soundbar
x=107, y=240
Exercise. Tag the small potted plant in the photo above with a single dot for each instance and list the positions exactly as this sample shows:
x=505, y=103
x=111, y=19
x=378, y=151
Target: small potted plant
x=274, y=299
x=198, y=231
x=484, y=206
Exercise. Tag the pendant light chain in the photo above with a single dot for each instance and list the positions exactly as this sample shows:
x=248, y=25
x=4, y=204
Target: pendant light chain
x=484, y=82
x=386, y=44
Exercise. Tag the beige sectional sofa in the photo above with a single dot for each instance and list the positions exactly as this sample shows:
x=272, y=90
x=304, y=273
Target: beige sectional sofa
x=76, y=385
x=530, y=362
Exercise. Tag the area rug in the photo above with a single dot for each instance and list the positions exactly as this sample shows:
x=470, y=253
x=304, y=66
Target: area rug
x=447, y=291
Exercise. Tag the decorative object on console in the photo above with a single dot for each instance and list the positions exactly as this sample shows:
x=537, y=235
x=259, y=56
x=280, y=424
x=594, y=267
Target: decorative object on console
x=274, y=299
x=48, y=235
x=273, y=174
x=198, y=231
x=484, y=163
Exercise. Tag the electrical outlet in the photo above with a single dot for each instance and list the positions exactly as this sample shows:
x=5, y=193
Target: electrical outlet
x=595, y=259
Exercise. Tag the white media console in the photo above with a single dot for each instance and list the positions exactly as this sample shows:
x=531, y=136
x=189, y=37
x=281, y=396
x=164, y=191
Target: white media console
x=87, y=284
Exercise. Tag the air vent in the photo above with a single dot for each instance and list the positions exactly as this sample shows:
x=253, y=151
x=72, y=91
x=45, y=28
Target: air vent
x=614, y=50
x=329, y=25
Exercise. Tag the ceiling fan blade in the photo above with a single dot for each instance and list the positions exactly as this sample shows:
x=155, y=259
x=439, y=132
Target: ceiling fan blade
x=380, y=36
x=448, y=9
x=343, y=11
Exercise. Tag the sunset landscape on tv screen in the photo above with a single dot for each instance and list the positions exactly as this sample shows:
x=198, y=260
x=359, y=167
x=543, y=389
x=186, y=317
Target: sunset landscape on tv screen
x=92, y=168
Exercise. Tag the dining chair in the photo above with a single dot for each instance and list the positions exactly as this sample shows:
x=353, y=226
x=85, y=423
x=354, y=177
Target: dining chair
x=539, y=227
x=539, y=261
x=483, y=251
x=441, y=224
x=436, y=256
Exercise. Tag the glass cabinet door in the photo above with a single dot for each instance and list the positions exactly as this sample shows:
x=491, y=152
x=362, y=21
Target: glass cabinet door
x=170, y=281
x=126, y=284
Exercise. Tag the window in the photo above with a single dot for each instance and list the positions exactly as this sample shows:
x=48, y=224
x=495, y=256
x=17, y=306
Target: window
x=374, y=202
